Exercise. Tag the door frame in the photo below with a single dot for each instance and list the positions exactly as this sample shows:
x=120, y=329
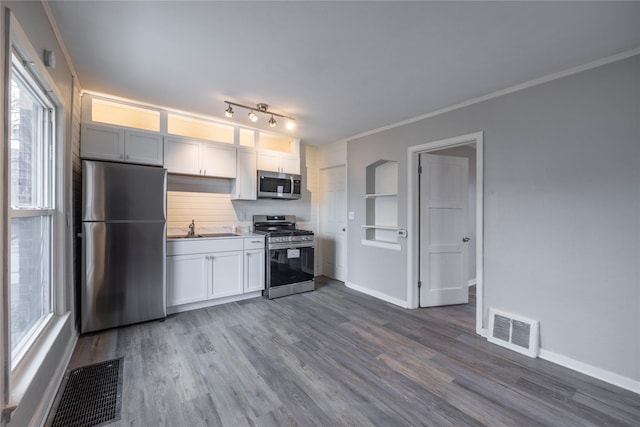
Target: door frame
x=413, y=217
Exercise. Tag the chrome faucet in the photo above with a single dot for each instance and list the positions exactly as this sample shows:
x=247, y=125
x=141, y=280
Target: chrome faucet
x=192, y=229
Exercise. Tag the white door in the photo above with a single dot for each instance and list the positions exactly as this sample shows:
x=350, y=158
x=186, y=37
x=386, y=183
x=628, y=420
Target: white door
x=444, y=205
x=333, y=222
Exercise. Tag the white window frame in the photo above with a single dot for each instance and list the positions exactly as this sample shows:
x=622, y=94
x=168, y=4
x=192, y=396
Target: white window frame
x=17, y=377
x=49, y=135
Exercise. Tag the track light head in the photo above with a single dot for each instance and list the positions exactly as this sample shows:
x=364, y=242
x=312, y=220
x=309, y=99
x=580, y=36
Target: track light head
x=272, y=121
x=253, y=117
x=229, y=112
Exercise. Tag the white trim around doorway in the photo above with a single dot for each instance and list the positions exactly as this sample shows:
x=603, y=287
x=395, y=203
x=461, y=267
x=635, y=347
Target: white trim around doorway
x=413, y=218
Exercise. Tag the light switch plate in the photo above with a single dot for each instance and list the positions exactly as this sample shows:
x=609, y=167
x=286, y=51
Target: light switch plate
x=352, y=215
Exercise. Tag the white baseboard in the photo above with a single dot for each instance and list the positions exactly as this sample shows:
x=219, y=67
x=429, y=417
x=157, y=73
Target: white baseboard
x=592, y=371
x=377, y=294
x=472, y=282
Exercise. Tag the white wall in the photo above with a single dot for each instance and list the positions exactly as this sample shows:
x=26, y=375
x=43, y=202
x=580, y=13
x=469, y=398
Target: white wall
x=562, y=202
x=334, y=154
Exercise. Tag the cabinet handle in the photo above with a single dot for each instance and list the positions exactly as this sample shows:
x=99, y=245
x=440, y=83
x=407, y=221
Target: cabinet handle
x=256, y=241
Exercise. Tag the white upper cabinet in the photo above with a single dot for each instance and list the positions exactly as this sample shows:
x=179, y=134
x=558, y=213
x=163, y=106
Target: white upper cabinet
x=143, y=147
x=182, y=156
x=218, y=160
x=193, y=157
x=278, y=153
x=275, y=161
x=104, y=142
x=245, y=186
x=124, y=131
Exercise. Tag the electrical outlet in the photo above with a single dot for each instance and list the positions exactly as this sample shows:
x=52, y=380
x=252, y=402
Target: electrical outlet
x=352, y=215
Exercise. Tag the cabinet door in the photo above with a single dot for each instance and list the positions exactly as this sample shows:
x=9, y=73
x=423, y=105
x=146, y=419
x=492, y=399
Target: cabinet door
x=290, y=163
x=268, y=161
x=245, y=186
x=102, y=142
x=143, y=147
x=226, y=274
x=218, y=160
x=254, y=270
x=186, y=279
x=182, y=156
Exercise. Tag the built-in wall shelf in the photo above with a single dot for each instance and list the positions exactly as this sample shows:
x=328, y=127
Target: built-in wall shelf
x=373, y=196
x=381, y=227
x=380, y=244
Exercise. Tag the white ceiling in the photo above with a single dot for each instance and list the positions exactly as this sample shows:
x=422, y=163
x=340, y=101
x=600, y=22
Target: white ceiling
x=340, y=68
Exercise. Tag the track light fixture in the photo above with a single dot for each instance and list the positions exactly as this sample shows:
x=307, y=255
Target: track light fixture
x=260, y=108
x=229, y=112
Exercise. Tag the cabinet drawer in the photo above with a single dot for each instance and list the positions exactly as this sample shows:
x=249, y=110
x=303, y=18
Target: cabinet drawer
x=201, y=246
x=254, y=243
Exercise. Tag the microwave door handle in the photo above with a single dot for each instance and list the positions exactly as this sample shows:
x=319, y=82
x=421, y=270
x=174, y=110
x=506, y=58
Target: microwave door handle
x=291, y=178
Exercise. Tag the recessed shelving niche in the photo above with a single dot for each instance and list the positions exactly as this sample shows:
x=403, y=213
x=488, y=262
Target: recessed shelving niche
x=381, y=228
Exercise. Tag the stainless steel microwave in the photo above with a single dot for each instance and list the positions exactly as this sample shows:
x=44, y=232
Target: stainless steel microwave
x=275, y=185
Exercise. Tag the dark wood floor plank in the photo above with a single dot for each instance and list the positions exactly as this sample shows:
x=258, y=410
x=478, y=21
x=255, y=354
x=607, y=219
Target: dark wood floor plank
x=336, y=357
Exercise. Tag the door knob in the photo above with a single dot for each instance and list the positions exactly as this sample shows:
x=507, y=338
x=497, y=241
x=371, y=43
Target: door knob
x=465, y=239
x=344, y=229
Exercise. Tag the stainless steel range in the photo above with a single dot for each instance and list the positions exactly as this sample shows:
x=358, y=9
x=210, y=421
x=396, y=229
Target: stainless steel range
x=289, y=255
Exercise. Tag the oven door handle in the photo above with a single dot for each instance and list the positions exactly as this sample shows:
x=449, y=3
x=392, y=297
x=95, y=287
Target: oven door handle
x=289, y=245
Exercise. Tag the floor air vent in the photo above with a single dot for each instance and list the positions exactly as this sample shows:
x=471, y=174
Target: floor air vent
x=514, y=332
x=90, y=396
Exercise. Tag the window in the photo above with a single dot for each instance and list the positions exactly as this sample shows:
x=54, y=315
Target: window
x=32, y=209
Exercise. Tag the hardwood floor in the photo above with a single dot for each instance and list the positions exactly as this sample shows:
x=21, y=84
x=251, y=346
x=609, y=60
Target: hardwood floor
x=337, y=357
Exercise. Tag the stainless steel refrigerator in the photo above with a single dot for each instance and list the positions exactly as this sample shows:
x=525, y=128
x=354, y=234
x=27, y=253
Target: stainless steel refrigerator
x=123, y=244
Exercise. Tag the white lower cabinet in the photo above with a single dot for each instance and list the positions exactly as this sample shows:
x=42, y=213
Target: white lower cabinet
x=203, y=272
x=191, y=273
x=226, y=274
x=254, y=270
